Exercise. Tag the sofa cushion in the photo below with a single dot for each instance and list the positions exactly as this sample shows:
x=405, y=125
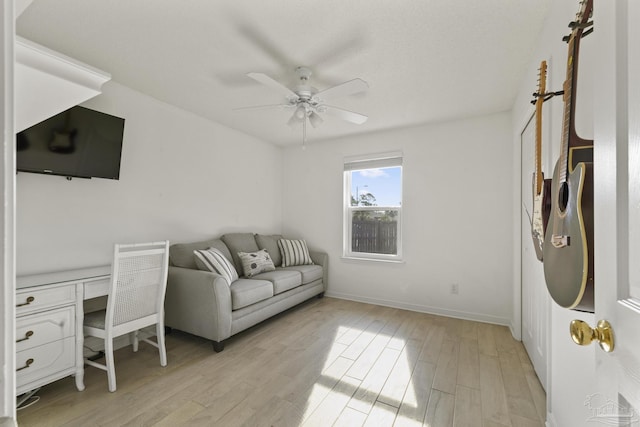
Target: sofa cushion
x=270, y=243
x=214, y=260
x=282, y=279
x=256, y=262
x=310, y=273
x=240, y=242
x=245, y=292
x=294, y=252
x=181, y=254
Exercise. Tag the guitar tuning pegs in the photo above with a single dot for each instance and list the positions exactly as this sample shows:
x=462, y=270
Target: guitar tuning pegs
x=566, y=38
x=586, y=33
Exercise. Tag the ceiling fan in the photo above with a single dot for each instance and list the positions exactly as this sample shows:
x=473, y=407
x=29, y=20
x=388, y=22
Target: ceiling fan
x=307, y=103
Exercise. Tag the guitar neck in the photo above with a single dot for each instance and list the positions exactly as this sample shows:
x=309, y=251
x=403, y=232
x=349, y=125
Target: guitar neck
x=570, y=139
x=542, y=79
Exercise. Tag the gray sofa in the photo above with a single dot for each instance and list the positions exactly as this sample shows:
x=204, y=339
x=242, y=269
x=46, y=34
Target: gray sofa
x=203, y=303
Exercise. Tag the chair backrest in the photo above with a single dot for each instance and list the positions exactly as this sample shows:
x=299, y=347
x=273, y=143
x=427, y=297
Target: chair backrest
x=138, y=282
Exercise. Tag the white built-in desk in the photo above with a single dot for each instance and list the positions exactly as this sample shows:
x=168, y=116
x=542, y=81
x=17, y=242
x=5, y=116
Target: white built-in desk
x=49, y=318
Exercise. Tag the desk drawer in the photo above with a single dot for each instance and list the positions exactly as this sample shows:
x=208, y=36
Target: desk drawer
x=39, y=299
x=46, y=360
x=45, y=327
x=96, y=288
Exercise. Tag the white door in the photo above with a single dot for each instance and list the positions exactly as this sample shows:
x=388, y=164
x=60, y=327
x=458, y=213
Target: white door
x=617, y=210
x=535, y=300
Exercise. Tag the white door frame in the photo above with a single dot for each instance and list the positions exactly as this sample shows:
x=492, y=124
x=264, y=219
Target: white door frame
x=7, y=214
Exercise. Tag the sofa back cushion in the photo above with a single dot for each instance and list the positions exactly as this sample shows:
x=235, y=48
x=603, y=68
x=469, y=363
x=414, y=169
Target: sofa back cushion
x=240, y=242
x=270, y=243
x=181, y=254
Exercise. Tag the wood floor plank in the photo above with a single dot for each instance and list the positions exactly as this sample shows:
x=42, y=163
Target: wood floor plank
x=468, y=407
x=367, y=393
x=494, y=398
x=486, y=340
x=440, y=410
x=504, y=340
x=333, y=404
x=447, y=367
x=368, y=357
x=350, y=418
x=432, y=344
x=517, y=421
x=400, y=377
x=382, y=415
x=417, y=395
x=468, y=363
x=364, y=339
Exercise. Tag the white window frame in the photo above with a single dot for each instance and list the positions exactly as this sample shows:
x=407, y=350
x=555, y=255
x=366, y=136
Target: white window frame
x=374, y=161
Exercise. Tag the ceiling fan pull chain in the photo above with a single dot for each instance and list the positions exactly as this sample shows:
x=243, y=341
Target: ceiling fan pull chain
x=304, y=133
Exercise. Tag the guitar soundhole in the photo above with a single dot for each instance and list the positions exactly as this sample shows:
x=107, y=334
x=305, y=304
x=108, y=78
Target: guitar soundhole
x=563, y=196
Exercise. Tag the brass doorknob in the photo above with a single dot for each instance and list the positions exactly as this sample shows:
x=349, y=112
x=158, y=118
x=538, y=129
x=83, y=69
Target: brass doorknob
x=583, y=334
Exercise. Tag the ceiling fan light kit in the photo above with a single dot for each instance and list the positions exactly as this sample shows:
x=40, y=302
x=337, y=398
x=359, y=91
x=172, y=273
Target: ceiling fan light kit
x=308, y=103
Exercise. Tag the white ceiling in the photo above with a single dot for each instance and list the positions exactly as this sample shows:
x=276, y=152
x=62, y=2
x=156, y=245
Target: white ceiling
x=425, y=60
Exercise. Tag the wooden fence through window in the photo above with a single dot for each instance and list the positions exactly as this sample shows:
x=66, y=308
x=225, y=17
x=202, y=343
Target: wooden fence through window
x=374, y=236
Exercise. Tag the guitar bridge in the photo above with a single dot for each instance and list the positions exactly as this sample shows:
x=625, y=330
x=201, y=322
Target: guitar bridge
x=560, y=241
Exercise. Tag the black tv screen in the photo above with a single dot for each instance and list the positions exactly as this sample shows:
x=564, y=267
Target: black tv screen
x=78, y=142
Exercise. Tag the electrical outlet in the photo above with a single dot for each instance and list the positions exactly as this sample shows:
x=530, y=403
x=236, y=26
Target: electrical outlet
x=454, y=288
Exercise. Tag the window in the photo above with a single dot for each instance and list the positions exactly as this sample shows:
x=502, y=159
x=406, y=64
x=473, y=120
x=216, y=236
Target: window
x=373, y=207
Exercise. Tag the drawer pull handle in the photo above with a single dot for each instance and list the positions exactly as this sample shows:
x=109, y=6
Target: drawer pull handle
x=27, y=364
x=28, y=335
x=29, y=301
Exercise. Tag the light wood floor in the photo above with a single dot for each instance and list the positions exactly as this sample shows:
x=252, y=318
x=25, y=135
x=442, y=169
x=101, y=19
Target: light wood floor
x=326, y=362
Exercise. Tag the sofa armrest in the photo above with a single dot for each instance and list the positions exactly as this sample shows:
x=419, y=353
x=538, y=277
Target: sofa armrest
x=321, y=258
x=198, y=302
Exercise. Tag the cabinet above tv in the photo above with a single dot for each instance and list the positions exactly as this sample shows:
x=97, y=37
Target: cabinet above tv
x=47, y=83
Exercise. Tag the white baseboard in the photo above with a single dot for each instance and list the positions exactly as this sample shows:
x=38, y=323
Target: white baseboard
x=479, y=317
x=551, y=422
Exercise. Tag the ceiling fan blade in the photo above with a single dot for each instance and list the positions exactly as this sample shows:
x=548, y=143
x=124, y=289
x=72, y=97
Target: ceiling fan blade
x=274, y=84
x=347, y=115
x=347, y=88
x=261, y=107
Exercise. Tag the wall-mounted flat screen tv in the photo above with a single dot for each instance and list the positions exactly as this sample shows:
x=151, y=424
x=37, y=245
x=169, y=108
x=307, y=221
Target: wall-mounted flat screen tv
x=78, y=142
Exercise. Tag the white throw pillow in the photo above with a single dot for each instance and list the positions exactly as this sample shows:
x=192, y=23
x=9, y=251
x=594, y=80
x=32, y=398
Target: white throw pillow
x=213, y=260
x=256, y=262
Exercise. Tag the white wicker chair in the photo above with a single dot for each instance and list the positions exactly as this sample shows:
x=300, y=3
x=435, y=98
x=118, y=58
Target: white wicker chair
x=135, y=301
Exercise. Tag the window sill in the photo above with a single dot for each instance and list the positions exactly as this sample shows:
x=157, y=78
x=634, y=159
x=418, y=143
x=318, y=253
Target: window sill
x=380, y=260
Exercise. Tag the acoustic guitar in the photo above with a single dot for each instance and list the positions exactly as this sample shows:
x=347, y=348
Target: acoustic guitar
x=568, y=242
x=541, y=186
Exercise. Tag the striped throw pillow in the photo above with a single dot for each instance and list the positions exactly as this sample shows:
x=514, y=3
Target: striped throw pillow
x=213, y=260
x=294, y=252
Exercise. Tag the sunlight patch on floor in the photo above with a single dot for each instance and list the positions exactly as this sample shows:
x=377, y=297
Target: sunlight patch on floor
x=387, y=369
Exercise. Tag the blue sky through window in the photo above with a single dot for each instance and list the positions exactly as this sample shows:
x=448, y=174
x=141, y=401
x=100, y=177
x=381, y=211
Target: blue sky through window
x=384, y=183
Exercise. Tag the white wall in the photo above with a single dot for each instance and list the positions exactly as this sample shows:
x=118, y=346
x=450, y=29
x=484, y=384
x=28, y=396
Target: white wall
x=571, y=369
x=456, y=217
x=182, y=178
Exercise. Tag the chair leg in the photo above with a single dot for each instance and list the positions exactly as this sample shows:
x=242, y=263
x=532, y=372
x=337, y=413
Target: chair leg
x=161, y=345
x=111, y=367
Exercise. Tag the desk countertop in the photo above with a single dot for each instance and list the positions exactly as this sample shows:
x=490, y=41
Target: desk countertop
x=30, y=280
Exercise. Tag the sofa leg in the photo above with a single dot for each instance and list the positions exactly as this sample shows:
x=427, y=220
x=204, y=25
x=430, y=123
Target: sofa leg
x=320, y=295
x=218, y=346
x=167, y=330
